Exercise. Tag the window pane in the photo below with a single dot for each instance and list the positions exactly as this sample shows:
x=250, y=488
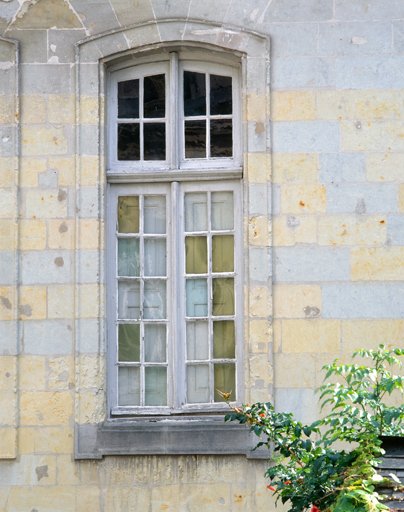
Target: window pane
x=196, y=214
x=128, y=141
x=224, y=380
x=129, y=386
x=156, y=386
x=222, y=210
x=129, y=343
x=220, y=95
x=224, y=340
x=154, y=299
x=128, y=99
x=155, y=215
x=198, y=383
x=129, y=300
x=155, y=343
x=221, y=138
x=154, y=257
x=195, y=139
x=197, y=297
x=196, y=254
x=223, y=253
x=194, y=94
x=154, y=96
x=128, y=257
x=154, y=141
x=223, y=296
x=128, y=214
x=197, y=340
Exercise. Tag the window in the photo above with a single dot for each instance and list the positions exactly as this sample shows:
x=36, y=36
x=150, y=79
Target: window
x=174, y=235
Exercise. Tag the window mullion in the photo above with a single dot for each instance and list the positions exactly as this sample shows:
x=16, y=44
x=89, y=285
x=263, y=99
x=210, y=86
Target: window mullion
x=173, y=118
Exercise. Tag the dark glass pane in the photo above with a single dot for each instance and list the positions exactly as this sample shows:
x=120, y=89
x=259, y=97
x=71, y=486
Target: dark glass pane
x=128, y=141
x=194, y=94
x=128, y=99
x=154, y=141
x=195, y=139
x=154, y=96
x=221, y=139
x=220, y=95
x=129, y=342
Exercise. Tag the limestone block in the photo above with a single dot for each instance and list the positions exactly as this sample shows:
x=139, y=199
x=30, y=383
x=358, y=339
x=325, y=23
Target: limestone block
x=374, y=135
x=395, y=229
x=301, y=402
x=32, y=373
x=65, y=168
x=260, y=265
x=90, y=301
x=68, y=470
x=26, y=440
x=89, y=110
x=377, y=264
x=259, y=335
x=46, y=408
x=42, y=498
x=62, y=109
x=312, y=336
x=309, y=72
x=33, y=109
x=291, y=11
x=7, y=373
x=293, y=106
x=43, y=337
x=258, y=231
x=56, y=440
x=258, y=167
x=46, y=267
x=258, y=199
x=337, y=167
x=358, y=333
x=38, y=141
x=6, y=172
x=372, y=10
x=385, y=166
x=7, y=268
x=293, y=39
x=60, y=301
x=46, y=203
x=8, y=414
x=297, y=301
x=7, y=307
x=61, y=234
x=32, y=235
x=260, y=302
x=369, y=72
x=60, y=373
x=285, y=372
x=306, y=136
x=362, y=198
x=292, y=229
x=91, y=407
x=30, y=168
x=7, y=202
x=333, y=105
x=32, y=302
x=90, y=170
x=131, y=498
x=50, y=78
x=352, y=230
x=294, y=167
x=277, y=327
x=6, y=109
x=7, y=235
x=307, y=198
x=89, y=233
x=91, y=371
x=377, y=104
x=401, y=197
x=8, y=444
x=88, y=498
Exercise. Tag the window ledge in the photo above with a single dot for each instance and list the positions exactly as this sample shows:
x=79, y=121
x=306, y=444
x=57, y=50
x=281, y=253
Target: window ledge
x=176, y=175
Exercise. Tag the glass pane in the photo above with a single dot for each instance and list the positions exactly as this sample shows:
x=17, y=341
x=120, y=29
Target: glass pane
x=155, y=215
x=128, y=214
x=129, y=343
x=198, y=384
x=128, y=141
x=128, y=257
x=154, y=257
x=154, y=299
x=223, y=296
x=221, y=138
x=196, y=254
x=197, y=340
x=224, y=380
x=220, y=95
x=154, y=96
x=197, y=297
x=194, y=94
x=224, y=340
x=156, y=386
x=196, y=214
x=155, y=343
x=154, y=141
x=128, y=386
x=222, y=210
x=222, y=253
x=128, y=99
x=129, y=300
x=195, y=139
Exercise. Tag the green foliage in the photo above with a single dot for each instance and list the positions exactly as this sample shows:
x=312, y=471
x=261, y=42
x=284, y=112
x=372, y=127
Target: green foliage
x=305, y=469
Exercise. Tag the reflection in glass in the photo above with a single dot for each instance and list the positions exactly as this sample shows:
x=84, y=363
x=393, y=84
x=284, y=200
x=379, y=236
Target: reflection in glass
x=154, y=96
x=128, y=214
x=154, y=257
x=155, y=343
x=221, y=138
x=155, y=215
x=197, y=383
x=129, y=343
x=194, y=94
x=222, y=210
x=128, y=141
x=196, y=255
x=196, y=214
x=154, y=299
x=128, y=99
x=224, y=340
x=154, y=141
x=222, y=253
x=224, y=380
x=128, y=257
x=220, y=95
x=197, y=340
x=156, y=385
x=129, y=300
x=197, y=297
x=128, y=386
x=195, y=139
x=223, y=296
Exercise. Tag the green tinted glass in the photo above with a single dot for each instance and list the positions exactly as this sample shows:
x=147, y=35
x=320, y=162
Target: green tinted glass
x=223, y=296
x=224, y=340
x=128, y=214
x=223, y=253
x=129, y=342
x=196, y=254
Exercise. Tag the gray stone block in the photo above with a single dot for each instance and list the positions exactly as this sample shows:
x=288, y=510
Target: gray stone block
x=96, y=15
x=7, y=337
x=293, y=39
x=395, y=229
x=260, y=263
x=258, y=199
x=368, y=9
x=7, y=268
x=61, y=44
x=242, y=14
x=337, y=167
x=47, y=79
x=87, y=201
x=33, y=45
x=370, y=72
x=363, y=198
x=47, y=337
x=88, y=266
x=6, y=141
x=305, y=136
x=87, y=336
x=398, y=36
x=89, y=139
x=301, y=402
x=89, y=85
x=170, y=9
x=298, y=10
x=46, y=267
x=295, y=73
x=276, y=199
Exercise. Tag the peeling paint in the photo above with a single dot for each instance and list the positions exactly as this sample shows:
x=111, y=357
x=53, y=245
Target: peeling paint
x=6, y=302
x=62, y=195
x=311, y=311
x=26, y=310
x=59, y=261
x=41, y=472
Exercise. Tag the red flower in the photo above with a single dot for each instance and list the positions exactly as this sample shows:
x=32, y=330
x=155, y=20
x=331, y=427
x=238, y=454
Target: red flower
x=289, y=482
x=315, y=509
x=271, y=488
x=262, y=415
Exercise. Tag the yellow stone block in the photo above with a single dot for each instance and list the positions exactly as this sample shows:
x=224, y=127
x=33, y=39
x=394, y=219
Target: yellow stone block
x=88, y=498
x=377, y=104
x=258, y=167
x=8, y=416
x=370, y=334
x=401, y=197
x=42, y=498
x=313, y=336
x=260, y=335
x=89, y=110
x=68, y=470
x=32, y=303
x=38, y=141
x=65, y=168
x=29, y=170
x=50, y=203
x=261, y=369
x=293, y=106
x=32, y=373
x=6, y=109
x=26, y=440
x=287, y=375
x=32, y=235
x=61, y=234
x=375, y=135
x=294, y=167
x=33, y=109
x=89, y=234
x=8, y=444
x=260, y=302
x=91, y=407
x=131, y=498
x=7, y=373
x=385, y=166
x=61, y=301
x=277, y=336
x=91, y=370
x=61, y=373
x=352, y=230
x=8, y=203
x=7, y=234
x=6, y=302
x=46, y=408
x=89, y=301
x=377, y=264
x=334, y=105
x=53, y=440
x=297, y=301
x=308, y=198
x=90, y=170
x=62, y=109
x=259, y=231
x=257, y=106
x=7, y=166
x=290, y=229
